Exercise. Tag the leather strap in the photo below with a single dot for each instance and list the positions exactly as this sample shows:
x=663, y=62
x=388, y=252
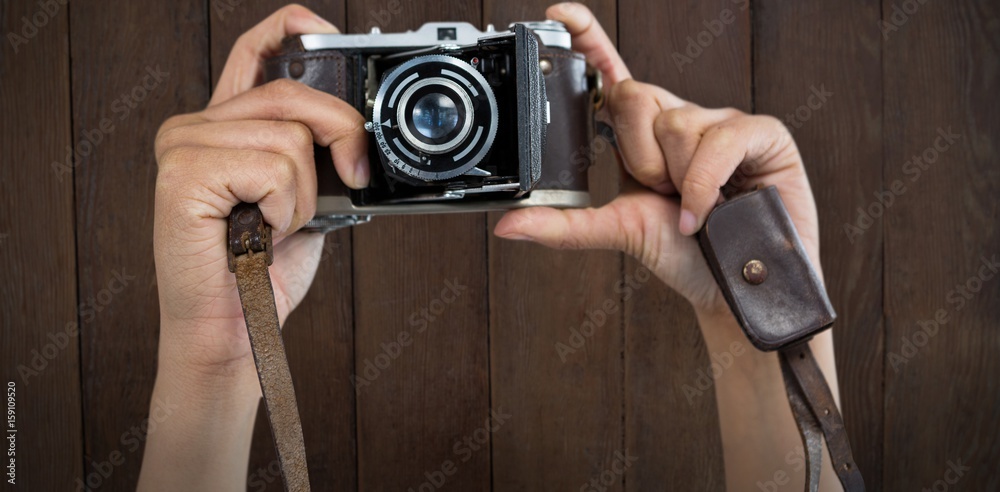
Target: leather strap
x=814, y=409
x=250, y=254
x=812, y=435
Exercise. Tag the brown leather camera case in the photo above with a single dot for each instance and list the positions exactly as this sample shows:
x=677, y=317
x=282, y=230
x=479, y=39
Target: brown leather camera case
x=764, y=272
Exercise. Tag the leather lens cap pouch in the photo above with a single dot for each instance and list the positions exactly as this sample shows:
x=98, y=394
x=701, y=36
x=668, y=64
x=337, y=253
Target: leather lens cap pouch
x=762, y=268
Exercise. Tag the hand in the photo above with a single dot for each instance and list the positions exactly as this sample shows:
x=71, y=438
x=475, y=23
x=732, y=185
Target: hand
x=677, y=155
x=251, y=144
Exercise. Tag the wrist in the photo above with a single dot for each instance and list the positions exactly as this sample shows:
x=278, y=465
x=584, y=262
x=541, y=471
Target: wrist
x=725, y=341
x=720, y=329
x=207, y=360
x=204, y=416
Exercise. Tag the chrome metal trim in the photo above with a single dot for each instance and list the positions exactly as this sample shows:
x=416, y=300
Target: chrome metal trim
x=340, y=206
x=327, y=223
x=552, y=34
x=470, y=114
x=425, y=35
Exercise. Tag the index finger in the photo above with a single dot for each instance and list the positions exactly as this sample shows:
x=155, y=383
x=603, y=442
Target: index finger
x=244, y=66
x=590, y=39
x=333, y=122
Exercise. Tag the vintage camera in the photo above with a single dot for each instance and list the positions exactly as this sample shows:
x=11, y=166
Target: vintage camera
x=461, y=120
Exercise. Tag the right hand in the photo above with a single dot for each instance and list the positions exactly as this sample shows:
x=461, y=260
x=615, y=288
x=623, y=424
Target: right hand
x=251, y=144
x=677, y=155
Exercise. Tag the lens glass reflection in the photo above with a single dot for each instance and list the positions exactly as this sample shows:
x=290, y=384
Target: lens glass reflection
x=435, y=115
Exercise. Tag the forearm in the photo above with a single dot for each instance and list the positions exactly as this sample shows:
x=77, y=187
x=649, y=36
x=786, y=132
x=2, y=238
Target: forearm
x=761, y=445
x=203, y=441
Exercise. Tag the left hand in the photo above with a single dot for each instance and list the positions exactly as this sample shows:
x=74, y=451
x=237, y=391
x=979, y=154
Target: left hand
x=253, y=143
x=677, y=155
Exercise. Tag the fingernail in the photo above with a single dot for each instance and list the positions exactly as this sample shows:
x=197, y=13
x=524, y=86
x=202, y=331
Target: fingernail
x=361, y=172
x=688, y=223
x=518, y=237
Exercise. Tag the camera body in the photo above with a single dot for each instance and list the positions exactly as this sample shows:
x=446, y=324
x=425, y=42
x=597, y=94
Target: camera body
x=460, y=120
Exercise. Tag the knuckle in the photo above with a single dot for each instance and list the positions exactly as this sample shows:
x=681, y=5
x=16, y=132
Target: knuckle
x=569, y=243
x=169, y=138
x=650, y=175
x=172, y=165
x=283, y=168
x=671, y=123
x=170, y=125
x=178, y=156
x=630, y=233
x=296, y=135
x=245, y=43
x=766, y=128
x=724, y=133
x=731, y=112
x=768, y=120
x=301, y=134
x=627, y=94
x=775, y=125
x=172, y=122
x=350, y=125
x=280, y=90
x=698, y=182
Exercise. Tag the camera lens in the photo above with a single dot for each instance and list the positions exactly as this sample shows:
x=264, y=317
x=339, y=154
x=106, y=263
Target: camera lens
x=435, y=115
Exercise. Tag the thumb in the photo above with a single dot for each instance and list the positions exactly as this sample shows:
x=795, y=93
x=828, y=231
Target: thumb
x=642, y=225
x=590, y=228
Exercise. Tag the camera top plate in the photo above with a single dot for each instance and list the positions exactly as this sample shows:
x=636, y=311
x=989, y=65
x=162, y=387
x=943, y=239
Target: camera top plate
x=551, y=33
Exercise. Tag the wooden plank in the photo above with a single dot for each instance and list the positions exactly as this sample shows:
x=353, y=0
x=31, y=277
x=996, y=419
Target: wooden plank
x=423, y=279
x=678, y=437
x=39, y=337
x=567, y=412
x=942, y=68
x=319, y=335
x=832, y=103
x=120, y=96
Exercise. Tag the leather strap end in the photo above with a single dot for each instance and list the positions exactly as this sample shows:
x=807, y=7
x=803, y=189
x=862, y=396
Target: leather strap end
x=806, y=387
x=248, y=234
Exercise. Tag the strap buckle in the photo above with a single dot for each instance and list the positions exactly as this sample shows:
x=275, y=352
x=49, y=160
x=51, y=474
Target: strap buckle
x=248, y=234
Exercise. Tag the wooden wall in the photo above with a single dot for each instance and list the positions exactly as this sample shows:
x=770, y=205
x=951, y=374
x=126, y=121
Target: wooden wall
x=78, y=291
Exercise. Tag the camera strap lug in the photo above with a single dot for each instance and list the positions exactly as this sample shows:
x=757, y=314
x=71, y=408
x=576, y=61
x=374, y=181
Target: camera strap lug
x=328, y=223
x=595, y=82
x=250, y=253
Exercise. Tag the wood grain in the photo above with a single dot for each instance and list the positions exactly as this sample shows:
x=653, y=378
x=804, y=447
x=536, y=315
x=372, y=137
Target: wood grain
x=677, y=436
x=157, y=69
x=942, y=68
x=319, y=335
x=832, y=103
x=424, y=401
x=39, y=340
x=567, y=409
x=915, y=404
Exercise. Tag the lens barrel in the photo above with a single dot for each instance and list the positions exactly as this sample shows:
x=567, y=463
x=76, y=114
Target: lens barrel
x=435, y=117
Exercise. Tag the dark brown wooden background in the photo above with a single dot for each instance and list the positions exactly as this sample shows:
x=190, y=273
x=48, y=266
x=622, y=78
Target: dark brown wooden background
x=64, y=239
